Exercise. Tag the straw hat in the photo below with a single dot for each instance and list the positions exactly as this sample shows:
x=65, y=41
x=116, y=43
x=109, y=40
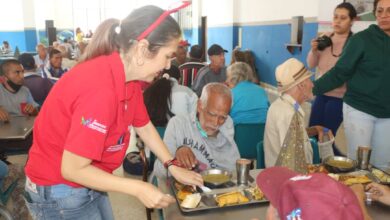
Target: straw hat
x=291, y=73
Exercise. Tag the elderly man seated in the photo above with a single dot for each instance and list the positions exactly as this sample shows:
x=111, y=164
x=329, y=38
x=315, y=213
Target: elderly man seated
x=295, y=86
x=203, y=139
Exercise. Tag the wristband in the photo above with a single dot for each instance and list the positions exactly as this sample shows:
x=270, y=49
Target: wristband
x=171, y=162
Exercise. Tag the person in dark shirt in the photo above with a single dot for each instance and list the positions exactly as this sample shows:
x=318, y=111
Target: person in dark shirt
x=38, y=86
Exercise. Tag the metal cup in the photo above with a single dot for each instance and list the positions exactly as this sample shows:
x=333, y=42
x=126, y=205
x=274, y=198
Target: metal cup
x=243, y=167
x=363, y=157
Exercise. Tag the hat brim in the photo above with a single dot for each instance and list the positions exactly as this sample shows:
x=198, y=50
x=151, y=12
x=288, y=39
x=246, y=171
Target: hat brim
x=306, y=75
x=271, y=180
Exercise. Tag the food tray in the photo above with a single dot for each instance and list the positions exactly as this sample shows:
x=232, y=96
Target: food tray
x=379, y=176
x=202, y=206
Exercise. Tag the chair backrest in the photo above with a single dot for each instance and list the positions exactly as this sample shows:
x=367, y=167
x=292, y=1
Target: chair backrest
x=188, y=72
x=246, y=137
x=260, y=161
x=152, y=157
x=316, y=152
x=161, y=131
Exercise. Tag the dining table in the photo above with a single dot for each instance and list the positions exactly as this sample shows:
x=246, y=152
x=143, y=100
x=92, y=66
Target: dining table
x=243, y=212
x=17, y=128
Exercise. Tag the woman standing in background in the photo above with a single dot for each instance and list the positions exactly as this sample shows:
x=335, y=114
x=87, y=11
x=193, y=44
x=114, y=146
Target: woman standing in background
x=365, y=67
x=327, y=108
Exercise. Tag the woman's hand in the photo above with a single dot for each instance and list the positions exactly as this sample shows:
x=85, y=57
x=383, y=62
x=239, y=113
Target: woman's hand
x=185, y=176
x=379, y=192
x=151, y=197
x=314, y=45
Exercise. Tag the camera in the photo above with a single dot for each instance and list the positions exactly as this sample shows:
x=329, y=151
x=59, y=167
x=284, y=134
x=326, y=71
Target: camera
x=324, y=42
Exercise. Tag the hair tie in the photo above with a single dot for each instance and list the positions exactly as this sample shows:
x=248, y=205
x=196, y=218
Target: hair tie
x=165, y=75
x=118, y=28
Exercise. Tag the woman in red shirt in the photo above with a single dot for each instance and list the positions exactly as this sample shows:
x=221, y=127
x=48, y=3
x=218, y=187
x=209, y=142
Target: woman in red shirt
x=82, y=132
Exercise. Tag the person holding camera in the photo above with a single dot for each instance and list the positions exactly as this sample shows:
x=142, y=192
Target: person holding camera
x=325, y=51
x=365, y=66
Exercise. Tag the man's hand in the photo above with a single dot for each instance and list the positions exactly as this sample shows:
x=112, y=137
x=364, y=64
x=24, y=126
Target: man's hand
x=4, y=116
x=30, y=109
x=318, y=130
x=186, y=157
x=379, y=192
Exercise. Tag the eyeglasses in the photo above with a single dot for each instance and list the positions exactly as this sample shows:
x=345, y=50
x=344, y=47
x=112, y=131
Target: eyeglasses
x=214, y=115
x=174, y=8
x=382, y=11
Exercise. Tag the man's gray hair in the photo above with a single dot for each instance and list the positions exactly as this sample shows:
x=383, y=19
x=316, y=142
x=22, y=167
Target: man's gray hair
x=240, y=71
x=218, y=88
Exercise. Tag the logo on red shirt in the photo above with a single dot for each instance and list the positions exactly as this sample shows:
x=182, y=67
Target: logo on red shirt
x=93, y=124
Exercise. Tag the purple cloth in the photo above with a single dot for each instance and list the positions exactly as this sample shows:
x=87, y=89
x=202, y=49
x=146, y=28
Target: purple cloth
x=38, y=86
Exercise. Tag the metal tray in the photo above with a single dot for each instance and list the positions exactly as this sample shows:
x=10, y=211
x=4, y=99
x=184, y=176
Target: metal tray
x=202, y=206
x=376, y=178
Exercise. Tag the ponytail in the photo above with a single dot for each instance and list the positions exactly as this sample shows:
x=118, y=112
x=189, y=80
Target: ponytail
x=103, y=41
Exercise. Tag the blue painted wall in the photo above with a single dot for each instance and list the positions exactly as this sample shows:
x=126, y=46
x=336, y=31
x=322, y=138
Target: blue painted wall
x=267, y=43
x=14, y=38
x=25, y=40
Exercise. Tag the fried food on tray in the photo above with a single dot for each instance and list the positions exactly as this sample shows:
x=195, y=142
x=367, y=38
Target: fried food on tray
x=231, y=199
x=255, y=192
x=382, y=176
x=317, y=168
x=184, y=191
x=350, y=179
x=191, y=201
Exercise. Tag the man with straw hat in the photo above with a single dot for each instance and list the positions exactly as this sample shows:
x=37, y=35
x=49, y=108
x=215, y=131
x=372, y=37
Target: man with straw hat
x=286, y=141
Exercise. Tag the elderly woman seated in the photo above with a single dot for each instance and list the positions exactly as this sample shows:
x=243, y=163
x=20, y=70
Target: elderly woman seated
x=250, y=101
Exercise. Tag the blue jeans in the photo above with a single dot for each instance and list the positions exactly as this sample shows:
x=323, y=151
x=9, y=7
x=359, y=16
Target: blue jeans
x=362, y=129
x=3, y=172
x=327, y=111
x=65, y=202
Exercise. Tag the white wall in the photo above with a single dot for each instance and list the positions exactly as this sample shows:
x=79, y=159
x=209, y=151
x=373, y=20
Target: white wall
x=218, y=12
x=12, y=16
x=248, y=11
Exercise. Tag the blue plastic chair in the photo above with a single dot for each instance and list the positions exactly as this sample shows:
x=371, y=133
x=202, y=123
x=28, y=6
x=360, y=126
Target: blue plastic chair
x=316, y=152
x=246, y=137
x=260, y=164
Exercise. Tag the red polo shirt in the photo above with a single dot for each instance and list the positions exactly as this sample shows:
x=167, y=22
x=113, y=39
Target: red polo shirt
x=88, y=112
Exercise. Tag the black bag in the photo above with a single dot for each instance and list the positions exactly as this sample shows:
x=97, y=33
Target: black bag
x=132, y=164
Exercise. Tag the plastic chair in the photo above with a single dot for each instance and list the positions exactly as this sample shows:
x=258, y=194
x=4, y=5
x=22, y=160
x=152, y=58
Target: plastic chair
x=316, y=152
x=260, y=156
x=188, y=72
x=246, y=137
x=148, y=166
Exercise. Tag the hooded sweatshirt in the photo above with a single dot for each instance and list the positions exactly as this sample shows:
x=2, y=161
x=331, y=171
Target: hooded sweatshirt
x=211, y=152
x=365, y=67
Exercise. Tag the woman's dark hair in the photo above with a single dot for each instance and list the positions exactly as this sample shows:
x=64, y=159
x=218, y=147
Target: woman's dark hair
x=106, y=40
x=157, y=98
x=349, y=7
x=375, y=5
x=173, y=72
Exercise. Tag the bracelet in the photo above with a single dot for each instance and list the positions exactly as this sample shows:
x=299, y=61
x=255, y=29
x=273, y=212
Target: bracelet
x=171, y=162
